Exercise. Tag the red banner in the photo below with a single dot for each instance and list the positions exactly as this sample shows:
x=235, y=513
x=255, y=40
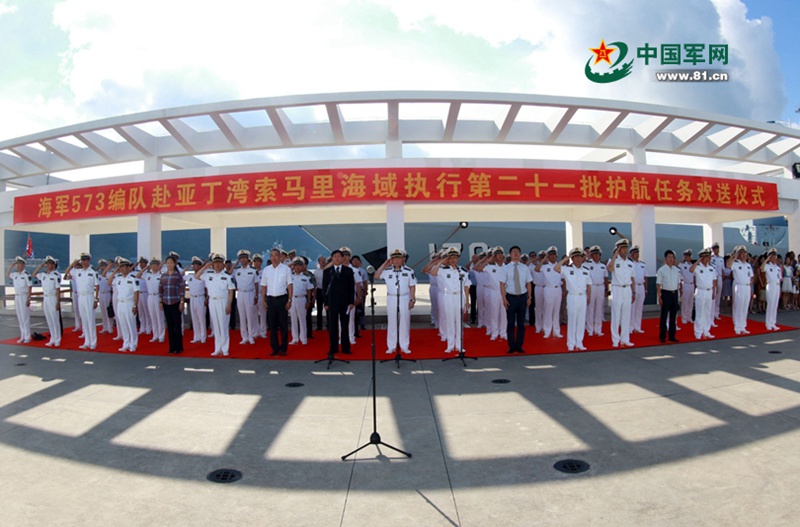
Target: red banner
x=312, y=187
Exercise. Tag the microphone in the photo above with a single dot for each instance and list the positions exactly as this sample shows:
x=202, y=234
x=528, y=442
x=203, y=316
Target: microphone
x=370, y=270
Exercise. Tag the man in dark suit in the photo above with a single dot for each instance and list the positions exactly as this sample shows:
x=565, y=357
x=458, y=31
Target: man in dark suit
x=338, y=285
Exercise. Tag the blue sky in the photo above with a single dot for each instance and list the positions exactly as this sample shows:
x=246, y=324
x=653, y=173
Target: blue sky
x=69, y=61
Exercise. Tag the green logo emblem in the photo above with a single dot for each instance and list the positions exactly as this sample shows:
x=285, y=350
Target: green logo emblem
x=603, y=54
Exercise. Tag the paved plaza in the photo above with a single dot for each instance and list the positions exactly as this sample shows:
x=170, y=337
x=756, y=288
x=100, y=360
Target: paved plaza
x=690, y=434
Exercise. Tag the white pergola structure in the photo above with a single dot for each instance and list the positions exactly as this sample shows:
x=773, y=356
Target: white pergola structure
x=402, y=129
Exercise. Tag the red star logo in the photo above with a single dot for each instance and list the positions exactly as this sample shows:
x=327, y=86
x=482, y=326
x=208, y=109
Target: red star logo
x=602, y=53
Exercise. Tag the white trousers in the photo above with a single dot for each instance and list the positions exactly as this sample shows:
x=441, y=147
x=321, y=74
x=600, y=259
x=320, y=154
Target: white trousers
x=23, y=316
x=145, y=322
x=156, y=317
x=261, y=312
x=493, y=305
x=687, y=292
x=741, y=303
x=51, y=316
x=434, y=292
x=551, y=320
x=105, y=300
x=248, y=323
x=394, y=340
x=452, y=311
x=715, y=301
x=86, y=306
x=197, y=308
x=538, y=311
x=76, y=310
x=297, y=316
x=773, y=295
x=480, y=293
x=703, y=312
x=576, y=320
x=220, y=324
x=127, y=324
x=637, y=308
x=620, y=314
x=594, y=311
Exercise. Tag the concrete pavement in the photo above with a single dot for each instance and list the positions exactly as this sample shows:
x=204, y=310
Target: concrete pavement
x=690, y=434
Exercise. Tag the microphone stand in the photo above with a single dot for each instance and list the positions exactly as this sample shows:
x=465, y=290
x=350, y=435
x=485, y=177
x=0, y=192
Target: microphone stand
x=398, y=356
x=375, y=437
x=461, y=353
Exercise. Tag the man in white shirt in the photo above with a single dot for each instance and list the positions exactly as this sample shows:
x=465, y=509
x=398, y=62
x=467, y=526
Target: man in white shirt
x=22, y=283
x=552, y=294
x=247, y=301
x=623, y=293
x=743, y=279
x=687, y=286
x=668, y=280
x=87, y=289
x=51, y=298
x=599, y=275
x=639, y=277
x=705, y=284
x=579, y=290
x=301, y=301
x=516, y=293
x=276, y=287
x=774, y=274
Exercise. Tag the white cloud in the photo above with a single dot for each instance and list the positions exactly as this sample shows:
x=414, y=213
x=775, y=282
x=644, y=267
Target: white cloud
x=125, y=58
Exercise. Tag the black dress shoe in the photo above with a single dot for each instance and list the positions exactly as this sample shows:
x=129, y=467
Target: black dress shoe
x=520, y=350
x=662, y=340
x=347, y=353
x=674, y=340
x=511, y=350
x=274, y=353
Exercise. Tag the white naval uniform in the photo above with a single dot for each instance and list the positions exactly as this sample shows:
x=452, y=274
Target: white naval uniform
x=217, y=286
x=153, y=281
x=22, y=283
x=578, y=281
x=551, y=320
x=639, y=276
x=773, y=274
x=245, y=279
x=687, y=291
x=197, y=307
x=301, y=285
x=51, y=288
x=86, y=283
x=705, y=280
x=742, y=290
x=452, y=283
x=621, y=296
x=718, y=262
x=125, y=287
x=397, y=300
x=595, y=310
x=145, y=321
x=104, y=300
x=493, y=302
x=114, y=298
x=538, y=296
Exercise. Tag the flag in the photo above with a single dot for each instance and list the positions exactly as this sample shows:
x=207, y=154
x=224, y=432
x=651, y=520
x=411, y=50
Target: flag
x=29, y=248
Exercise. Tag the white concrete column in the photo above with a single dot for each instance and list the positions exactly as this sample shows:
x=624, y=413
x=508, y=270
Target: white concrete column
x=219, y=241
x=78, y=243
x=574, y=230
x=714, y=232
x=395, y=226
x=643, y=234
x=148, y=235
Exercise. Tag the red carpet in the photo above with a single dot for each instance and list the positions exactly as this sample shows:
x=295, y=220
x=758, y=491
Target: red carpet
x=425, y=343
